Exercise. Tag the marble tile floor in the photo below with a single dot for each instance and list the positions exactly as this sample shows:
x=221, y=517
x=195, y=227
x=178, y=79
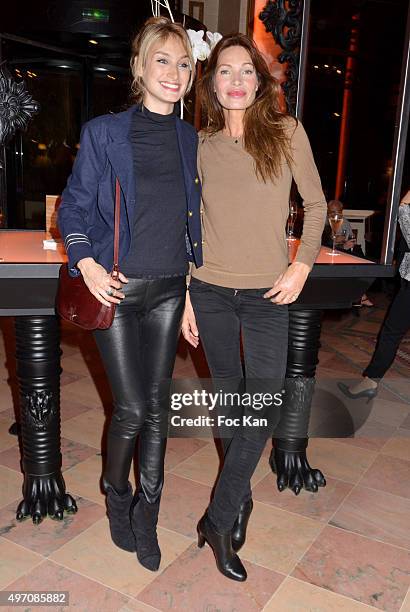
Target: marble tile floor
x=345, y=548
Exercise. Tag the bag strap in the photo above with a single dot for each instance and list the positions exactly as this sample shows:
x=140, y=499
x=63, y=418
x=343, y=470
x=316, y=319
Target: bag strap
x=115, y=269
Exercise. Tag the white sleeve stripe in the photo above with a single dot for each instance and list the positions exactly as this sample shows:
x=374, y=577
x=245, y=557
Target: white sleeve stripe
x=75, y=236
x=79, y=238
x=77, y=242
x=67, y=238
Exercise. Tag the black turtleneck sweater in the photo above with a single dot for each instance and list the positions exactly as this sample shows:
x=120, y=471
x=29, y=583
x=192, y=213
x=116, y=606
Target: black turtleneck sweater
x=158, y=247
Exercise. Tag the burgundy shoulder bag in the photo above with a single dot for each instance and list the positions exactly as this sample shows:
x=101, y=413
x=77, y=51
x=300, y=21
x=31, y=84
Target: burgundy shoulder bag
x=75, y=302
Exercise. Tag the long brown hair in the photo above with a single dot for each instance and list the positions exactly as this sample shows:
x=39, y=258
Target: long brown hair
x=265, y=135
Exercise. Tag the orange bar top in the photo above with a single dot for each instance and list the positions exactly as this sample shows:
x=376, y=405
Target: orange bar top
x=325, y=256
x=27, y=247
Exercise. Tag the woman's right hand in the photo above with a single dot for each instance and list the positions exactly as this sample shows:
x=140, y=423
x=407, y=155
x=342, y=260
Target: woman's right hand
x=188, y=327
x=99, y=281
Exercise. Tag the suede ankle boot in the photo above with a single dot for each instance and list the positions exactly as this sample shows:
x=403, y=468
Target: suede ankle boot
x=144, y=519
x=118, y=511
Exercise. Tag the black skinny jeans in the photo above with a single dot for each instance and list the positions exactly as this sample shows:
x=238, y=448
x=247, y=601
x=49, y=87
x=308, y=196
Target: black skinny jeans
x=394, y=327
x=222, y=316
x=138, y=352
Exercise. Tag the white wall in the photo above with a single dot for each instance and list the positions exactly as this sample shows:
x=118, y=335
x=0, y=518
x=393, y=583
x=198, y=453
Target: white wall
x=243, y=16
x=212, y=8
x=211, y=12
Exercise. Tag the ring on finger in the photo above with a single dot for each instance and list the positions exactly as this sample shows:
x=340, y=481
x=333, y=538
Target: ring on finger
x=110, y=291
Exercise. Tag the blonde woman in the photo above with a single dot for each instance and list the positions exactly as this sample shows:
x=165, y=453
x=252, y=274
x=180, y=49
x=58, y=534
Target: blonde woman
x=247, y=157
x=153, y=154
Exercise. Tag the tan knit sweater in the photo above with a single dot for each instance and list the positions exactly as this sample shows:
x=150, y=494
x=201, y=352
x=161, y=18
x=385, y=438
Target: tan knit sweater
x=244, y=219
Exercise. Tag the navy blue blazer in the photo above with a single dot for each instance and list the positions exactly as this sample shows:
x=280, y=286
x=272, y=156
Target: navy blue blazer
x=86, y=212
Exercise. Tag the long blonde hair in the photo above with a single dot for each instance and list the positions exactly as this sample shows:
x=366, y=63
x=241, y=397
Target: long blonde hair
x=265, y=134
x=154, y=30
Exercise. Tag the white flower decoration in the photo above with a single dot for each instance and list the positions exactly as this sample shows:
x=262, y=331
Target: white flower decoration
x=200, y=48
x=214, y=38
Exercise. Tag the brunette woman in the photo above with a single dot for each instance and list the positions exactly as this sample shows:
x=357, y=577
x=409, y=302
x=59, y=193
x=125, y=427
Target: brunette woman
x=247, y=157
x=153, y=154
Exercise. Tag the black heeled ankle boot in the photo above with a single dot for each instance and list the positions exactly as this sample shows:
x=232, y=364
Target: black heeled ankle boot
x=118, y=512
x=144, y=519
x=227, y=561
x=238, y=533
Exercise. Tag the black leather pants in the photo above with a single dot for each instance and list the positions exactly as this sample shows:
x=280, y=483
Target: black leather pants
x=138, y=352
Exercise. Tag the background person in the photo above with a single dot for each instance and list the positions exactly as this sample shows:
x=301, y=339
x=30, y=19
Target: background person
x=345, y=240
x=395, y=325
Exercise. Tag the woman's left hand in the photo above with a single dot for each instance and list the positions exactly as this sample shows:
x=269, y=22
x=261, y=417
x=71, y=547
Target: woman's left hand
x=289, y=284
x=189, y=327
